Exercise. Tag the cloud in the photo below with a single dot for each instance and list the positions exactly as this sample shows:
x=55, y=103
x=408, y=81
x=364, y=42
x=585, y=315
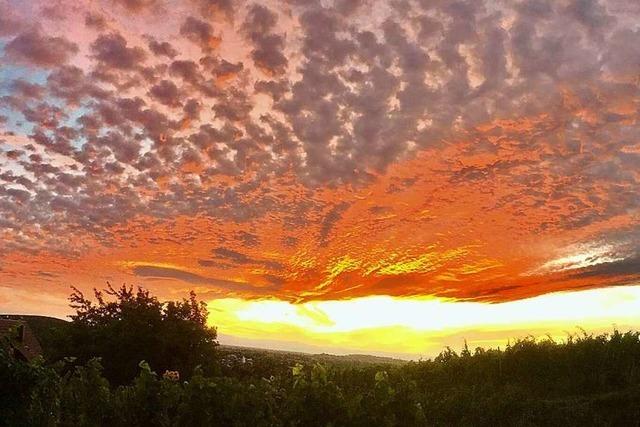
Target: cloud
x=162, y=48
x=167, y=93
x=136, y=5
x=329, y=221
x=628, y=269
x=32, y=47
x=212, y=7
x=199, y=32
x=268, y=47
x=96, y=21
x=112, y=51
x=235, y=257
x=192, y=278
x=248, y=239
x=9, y=23
x=325, y=145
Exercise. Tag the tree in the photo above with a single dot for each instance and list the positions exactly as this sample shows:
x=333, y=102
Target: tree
x=126, y=326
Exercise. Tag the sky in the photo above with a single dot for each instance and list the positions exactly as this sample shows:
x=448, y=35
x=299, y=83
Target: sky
x=384, y=177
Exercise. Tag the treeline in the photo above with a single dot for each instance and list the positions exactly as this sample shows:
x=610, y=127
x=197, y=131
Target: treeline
x=586, y=380
x=590, y=380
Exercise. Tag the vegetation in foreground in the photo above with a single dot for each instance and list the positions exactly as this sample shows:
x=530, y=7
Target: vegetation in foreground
x=587, y=380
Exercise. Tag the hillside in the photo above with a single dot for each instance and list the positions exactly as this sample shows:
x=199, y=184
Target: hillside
x=39, y=324
x=45, y=328
x=345, y=359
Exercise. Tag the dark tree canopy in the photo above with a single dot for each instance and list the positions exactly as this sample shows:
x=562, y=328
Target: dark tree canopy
x=125, y=326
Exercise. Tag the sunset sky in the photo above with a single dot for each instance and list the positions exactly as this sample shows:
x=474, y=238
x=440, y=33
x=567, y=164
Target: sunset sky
x=385, y=177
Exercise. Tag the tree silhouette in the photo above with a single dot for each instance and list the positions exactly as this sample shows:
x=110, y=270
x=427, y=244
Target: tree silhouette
x=125, y=326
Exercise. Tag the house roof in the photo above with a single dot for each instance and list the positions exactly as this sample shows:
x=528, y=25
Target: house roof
x=21, y=338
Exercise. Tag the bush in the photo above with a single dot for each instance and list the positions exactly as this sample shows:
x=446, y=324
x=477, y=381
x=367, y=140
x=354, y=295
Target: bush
x=134, y=326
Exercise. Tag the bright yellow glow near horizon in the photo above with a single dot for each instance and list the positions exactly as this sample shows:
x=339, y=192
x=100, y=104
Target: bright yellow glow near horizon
x=421, y=326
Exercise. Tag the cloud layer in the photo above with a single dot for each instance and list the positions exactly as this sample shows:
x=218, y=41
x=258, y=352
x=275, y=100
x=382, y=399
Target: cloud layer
x=321, y=150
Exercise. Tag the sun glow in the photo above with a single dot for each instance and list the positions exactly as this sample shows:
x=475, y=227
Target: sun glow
x=423, y=325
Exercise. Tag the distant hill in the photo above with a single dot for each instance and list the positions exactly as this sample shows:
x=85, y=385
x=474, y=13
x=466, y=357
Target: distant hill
x=45, y=328
x=292, y=356
x=361, y=358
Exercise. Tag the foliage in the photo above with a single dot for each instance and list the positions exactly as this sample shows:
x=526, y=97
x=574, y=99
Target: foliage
x=28, y=393
x=588, y=380
x=126, y=326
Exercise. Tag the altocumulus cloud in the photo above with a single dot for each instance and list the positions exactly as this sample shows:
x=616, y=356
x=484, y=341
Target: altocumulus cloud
x=330, y=147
